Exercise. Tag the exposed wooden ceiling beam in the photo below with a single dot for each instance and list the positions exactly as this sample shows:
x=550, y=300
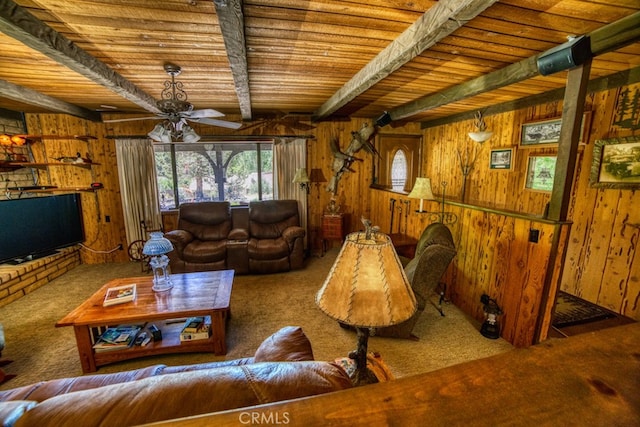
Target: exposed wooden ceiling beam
x=32, y=97
x=621, y=78
x=613, y=36
x=434, y=25
x=16, y=22
x=231, y=20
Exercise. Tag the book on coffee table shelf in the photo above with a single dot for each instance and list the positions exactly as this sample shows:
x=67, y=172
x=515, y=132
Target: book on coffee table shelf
x=193, y=324
x=202, y=332
x=119, y=295
x=117, y=338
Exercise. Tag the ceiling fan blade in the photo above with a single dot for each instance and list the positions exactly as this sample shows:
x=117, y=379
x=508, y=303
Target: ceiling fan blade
x=207, y=112
x=133, y=119
x=216, y=122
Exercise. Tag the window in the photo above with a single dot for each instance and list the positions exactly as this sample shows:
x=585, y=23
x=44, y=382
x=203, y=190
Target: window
x=397, y=164
x=399, y=171
x=234, y=171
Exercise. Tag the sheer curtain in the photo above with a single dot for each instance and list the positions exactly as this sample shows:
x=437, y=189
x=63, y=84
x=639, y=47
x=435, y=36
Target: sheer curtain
x=138, y=187
x=289, y=154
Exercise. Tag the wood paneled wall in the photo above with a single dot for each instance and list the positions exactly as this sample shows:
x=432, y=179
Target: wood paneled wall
x=102, y=209
x=492, y=231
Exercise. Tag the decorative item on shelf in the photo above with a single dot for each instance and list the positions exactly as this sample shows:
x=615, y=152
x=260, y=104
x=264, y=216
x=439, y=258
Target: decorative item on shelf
x=422, y=190
x=317, y=177
x=302, y=178
x=366, y=288
x=490, y=328
x=156, y=247
x=333, y=208
x=6, y=139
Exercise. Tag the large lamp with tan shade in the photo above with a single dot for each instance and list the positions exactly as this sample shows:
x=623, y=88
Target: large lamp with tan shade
x=366, y=288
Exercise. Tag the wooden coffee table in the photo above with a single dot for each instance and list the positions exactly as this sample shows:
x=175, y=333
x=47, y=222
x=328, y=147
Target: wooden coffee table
x=193, y=294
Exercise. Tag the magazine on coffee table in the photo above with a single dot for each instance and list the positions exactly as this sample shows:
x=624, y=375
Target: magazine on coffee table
x=119, y=295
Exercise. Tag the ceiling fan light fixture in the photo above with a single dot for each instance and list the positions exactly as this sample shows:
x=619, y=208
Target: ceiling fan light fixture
x=160, y=134
x=189, y=135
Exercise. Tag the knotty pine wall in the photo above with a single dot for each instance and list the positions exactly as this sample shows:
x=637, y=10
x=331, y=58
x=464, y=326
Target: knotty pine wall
x=491, y=234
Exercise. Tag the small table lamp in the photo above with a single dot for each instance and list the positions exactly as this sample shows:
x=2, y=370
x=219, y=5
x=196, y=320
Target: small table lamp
x=156, y=247
x=422, y=190
x=366, y=288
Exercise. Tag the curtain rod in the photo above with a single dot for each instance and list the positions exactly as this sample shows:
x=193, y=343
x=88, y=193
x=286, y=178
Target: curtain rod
x=222, y=137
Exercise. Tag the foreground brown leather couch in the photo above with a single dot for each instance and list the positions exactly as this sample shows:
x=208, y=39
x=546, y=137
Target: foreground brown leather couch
x=264, y=237
x=282, y=368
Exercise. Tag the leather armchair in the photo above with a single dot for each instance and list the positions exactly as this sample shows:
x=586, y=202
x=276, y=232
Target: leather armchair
x=200, y=240
x=276, y=241
x=434, y=253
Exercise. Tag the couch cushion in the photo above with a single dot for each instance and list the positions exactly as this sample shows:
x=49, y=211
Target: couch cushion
x=202, y=251
x=288, y=344
x=268, y=249
x=188, y=393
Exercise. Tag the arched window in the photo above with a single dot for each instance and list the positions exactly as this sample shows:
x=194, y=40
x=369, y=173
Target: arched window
x=397, y=164
x=399, y=171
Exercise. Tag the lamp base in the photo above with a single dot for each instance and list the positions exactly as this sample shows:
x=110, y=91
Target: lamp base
x=362, y=375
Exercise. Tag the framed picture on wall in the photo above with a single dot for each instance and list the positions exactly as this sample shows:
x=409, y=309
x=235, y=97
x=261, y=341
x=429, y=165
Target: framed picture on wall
x=547, y=132
x=616, y=163
x=501, y=159
x=540, y=172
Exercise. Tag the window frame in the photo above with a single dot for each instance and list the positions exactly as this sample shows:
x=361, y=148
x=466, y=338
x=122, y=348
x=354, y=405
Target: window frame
x=387, y=145
x=257, y=146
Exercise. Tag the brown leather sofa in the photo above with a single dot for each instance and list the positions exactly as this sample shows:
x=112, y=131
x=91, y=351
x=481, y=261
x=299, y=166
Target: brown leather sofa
x=276, y=240
x=281, y=369
x=264, y=237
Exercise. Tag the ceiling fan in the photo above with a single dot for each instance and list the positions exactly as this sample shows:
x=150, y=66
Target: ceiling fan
x=175, y=110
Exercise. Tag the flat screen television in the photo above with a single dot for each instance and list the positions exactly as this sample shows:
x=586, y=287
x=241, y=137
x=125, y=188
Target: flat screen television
x=34, y=227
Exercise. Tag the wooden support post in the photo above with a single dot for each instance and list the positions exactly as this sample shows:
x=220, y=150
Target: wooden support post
x=572, y=111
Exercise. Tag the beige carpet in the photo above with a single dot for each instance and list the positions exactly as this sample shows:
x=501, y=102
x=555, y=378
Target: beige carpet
x=260, y=305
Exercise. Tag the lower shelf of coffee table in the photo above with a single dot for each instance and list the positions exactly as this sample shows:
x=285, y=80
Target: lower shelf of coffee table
x=170, y=344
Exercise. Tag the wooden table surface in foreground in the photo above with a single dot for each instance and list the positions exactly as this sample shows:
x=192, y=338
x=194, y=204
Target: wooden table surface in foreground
x=193, y=294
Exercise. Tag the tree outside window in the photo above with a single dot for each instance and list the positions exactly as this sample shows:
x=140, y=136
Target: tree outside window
x=237, y=172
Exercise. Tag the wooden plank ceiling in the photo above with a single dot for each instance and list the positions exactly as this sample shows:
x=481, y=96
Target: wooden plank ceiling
x=420, y=60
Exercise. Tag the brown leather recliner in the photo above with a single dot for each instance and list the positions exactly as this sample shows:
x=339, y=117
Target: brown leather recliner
x=434, y=253
x=200, y=240
x=276, y=239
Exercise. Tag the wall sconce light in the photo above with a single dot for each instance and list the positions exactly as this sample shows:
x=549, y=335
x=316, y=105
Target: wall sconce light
x=422, y=190
x=302, y=178
x=481, y=133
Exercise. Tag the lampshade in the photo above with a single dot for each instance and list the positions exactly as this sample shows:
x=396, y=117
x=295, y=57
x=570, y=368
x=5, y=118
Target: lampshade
x=367, y=286
x=480, y=136
x=422, y=190
x=301, y=176
x=160, y=134
x=157, y=245
x=189, y=135
x=317, y=176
